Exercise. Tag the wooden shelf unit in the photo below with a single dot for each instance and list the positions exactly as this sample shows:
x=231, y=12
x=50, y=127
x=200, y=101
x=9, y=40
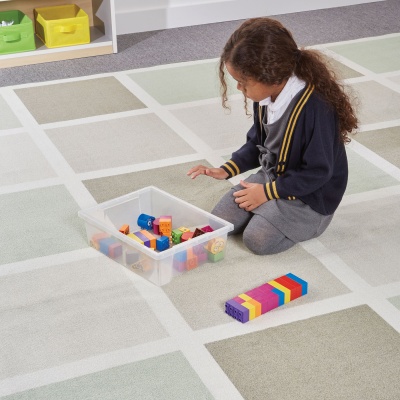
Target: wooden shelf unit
x=103, y=39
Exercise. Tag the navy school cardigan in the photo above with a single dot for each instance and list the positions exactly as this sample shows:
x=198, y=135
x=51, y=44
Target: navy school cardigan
x=312, y=163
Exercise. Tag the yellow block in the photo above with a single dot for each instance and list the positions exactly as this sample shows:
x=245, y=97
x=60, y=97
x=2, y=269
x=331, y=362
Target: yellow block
x=134, y=237
x=245, y=297
x=252, y=309
x=283, y=289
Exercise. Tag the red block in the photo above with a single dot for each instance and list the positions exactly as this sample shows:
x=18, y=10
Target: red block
x=294, y=287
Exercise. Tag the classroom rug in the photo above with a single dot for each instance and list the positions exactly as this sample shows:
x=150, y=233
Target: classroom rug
x=77, y=325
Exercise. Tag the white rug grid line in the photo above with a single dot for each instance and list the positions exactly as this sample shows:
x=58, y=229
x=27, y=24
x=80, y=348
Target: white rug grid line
x=78, y=191
x=85, y=366
x=375, y=159
x=360, y=40
x=13, y=131
x=379, y=125
x=32, y=185
x=199, y=358
x=174, y=123
x=371, y=195
x=53, y=260
x=96, y=118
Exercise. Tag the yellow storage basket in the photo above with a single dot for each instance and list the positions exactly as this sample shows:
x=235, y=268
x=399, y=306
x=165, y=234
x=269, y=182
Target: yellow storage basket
x=59, y=26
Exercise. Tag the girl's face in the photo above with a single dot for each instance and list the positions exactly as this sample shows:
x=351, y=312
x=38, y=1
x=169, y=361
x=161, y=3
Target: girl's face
x=253, y=89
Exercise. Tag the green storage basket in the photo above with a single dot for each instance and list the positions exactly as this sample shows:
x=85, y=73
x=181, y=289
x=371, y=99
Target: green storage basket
x=17, y=37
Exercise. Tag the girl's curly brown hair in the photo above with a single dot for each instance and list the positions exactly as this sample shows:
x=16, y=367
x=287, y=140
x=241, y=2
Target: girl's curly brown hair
x=264, y=50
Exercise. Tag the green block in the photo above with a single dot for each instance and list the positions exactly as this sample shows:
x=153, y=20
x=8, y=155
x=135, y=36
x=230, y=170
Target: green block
x=176, y=236
x=19, y=36
x=216, y=257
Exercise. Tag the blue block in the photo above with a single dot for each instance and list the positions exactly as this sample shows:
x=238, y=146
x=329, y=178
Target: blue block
x=237, y=311
x=181, y=256
x=105, y=244
x=162, y=243
x=304, y=284
x=281, y=296
x=145, y=221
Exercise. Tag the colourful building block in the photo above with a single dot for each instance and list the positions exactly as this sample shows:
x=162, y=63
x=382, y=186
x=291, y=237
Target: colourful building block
x=215, y=257
x=149, y=236
x=165, y=226
x=280, y=296
x=304, y=284
x=179, y=265
x=255, y=302
x=94, y=242
x=124, y=229
x=143, y=238
x=283, y=289
x=176, y=235
x=237, y=311
x=215, y=246
x=186, y=236
x=198, y=232
x=294, y=287
x=104, y=245
x=145, y=221
x=191, y=262
x=162, y=243
x=156, y=226
x=135, y=238
x=115, y=250
x=207, y=229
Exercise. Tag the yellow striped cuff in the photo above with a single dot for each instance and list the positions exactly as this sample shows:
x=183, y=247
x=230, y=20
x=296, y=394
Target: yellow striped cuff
x=231, y=168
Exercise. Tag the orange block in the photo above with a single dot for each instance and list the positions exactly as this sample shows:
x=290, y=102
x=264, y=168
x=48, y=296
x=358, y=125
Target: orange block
x=165, y=226
x=149, y=236
x=124, y=229
x=257, y=306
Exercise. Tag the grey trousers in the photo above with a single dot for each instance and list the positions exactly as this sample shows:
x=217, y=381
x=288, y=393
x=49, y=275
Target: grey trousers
x=273, y=227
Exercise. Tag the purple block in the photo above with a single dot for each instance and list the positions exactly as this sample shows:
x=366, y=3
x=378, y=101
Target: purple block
x=145, y=239
x=237, y=311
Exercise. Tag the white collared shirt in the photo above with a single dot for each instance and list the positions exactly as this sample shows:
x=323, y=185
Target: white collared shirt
x=275, y=109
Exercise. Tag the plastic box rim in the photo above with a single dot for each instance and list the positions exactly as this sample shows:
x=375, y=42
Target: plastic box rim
x=84, y=214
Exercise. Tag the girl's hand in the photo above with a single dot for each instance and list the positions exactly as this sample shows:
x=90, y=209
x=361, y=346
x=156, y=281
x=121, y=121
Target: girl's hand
x=251, y=197
x=216, y=173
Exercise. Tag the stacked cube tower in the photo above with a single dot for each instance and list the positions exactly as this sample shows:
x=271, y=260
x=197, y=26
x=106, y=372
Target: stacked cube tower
x=270, y=295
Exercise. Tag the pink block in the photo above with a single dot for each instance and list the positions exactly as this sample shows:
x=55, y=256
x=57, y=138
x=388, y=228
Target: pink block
x=207, y=229
x=238, y=300
x=253, y=292
x=266, y=287
x=156, y=226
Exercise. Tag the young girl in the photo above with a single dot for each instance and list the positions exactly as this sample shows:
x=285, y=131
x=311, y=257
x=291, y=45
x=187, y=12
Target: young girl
x=302, y=118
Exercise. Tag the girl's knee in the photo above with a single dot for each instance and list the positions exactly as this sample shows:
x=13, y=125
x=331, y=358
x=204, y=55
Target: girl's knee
x=266, y=244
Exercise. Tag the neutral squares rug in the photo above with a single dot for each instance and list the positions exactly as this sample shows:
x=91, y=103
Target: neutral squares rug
x=74, y=324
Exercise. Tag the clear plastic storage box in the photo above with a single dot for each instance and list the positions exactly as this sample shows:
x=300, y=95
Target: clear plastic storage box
x=104, y=222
